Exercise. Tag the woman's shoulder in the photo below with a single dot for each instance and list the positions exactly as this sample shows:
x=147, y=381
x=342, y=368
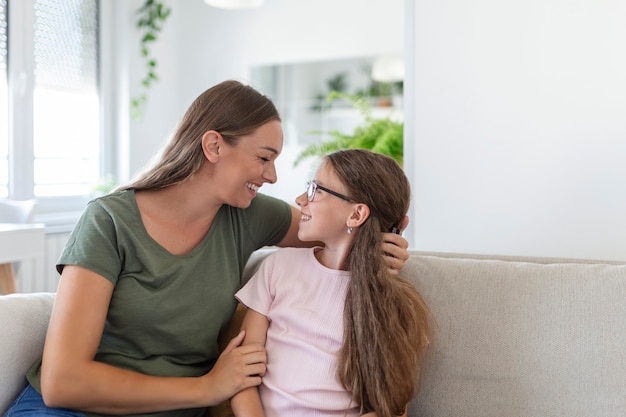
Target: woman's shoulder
x=123, y=196
x=109, y=210
x=115, y=202
x=262, y=198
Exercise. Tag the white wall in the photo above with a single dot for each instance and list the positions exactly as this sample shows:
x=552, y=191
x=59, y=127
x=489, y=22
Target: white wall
x=202, y=46
x=516, y=136
x=518, y=123
x=147, y=135
x=218, y=44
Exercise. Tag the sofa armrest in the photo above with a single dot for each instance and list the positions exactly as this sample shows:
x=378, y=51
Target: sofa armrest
x=24, y=321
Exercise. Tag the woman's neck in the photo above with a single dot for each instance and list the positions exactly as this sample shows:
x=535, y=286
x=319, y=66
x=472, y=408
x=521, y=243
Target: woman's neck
x=175, y=218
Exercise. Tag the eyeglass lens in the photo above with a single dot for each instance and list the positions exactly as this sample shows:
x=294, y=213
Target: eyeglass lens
x=311, y=189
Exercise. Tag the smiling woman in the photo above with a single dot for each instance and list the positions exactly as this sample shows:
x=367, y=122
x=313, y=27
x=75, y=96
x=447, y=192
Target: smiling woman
x=181, y=233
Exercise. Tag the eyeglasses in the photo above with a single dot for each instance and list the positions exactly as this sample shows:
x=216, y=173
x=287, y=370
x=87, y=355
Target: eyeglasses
x=312, y=187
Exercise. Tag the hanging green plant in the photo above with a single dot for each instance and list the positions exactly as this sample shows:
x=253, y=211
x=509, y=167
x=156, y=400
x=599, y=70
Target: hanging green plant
x=151, y=17
x=382, y=135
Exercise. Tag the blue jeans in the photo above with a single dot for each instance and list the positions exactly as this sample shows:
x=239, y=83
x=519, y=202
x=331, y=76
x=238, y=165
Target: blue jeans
x=30, y=403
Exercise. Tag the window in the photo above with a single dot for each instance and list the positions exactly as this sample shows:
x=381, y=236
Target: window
x=50, y=138
x=4, y=110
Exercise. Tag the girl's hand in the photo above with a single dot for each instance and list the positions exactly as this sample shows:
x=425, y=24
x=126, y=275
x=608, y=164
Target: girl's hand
x=237, y=368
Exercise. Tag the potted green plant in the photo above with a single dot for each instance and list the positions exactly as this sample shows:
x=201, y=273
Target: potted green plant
x=337, y=83
x=151, y=17
x=382, y=135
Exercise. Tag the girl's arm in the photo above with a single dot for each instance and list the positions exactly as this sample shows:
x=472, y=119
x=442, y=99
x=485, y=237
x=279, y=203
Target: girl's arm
x=70, y=378
x=394, y=245
x=247, y=403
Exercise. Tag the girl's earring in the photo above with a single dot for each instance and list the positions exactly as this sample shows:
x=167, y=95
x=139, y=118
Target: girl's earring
x=349, y=230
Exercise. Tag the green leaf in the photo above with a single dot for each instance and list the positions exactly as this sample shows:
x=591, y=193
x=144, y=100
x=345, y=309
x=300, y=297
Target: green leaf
x=382, y=135
x=152, y=14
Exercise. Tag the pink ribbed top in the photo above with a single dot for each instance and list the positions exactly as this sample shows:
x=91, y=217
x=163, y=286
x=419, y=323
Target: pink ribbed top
x=304, y=303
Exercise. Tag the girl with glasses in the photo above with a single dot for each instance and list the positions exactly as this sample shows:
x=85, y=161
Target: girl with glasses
x=346, y=338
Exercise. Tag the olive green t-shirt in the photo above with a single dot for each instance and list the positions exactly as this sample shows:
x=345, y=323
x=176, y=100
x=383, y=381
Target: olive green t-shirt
x=167, y=310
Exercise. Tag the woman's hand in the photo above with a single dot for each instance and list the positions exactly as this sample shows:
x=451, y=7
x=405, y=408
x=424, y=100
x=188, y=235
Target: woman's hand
x=395, y=249
x=237, y=368
x=394, y=245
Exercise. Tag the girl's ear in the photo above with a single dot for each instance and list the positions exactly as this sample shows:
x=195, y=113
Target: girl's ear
x=211, y=145
x=360, y=213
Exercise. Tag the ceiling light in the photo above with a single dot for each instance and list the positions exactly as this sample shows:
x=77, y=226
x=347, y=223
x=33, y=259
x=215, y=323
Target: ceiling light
x=235, y=4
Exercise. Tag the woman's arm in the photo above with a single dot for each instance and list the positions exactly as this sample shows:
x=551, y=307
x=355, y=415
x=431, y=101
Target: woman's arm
x=70, y=377
x=394, y=245
x=247, y=403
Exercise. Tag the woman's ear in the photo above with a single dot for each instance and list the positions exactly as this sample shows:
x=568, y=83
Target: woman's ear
x=360, y=213
x=211, y=145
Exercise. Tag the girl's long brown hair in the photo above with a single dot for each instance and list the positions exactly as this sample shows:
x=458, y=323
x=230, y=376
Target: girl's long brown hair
x=387, y=324
x=230, y=108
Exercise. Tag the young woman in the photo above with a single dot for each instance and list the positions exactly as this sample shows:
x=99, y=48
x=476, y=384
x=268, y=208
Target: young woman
x=149, y=272
x=344, y=338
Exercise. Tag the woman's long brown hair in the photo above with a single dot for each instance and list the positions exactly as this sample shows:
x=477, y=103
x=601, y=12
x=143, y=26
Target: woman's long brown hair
x=387, y=324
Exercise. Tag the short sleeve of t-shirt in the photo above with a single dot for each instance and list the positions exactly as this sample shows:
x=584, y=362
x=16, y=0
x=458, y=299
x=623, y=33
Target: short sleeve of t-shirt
x=93, y=242
x=259, y=292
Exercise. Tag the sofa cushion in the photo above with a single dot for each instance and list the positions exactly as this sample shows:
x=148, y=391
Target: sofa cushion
x=23, y=323
x=522, y=338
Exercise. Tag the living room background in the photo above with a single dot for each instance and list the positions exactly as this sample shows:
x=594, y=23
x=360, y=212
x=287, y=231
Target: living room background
x=514, y=111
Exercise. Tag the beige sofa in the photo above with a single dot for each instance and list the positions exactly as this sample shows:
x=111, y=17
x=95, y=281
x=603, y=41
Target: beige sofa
x=515, y=337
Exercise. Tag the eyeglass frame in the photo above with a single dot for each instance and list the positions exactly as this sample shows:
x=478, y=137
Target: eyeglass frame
x=310, y=196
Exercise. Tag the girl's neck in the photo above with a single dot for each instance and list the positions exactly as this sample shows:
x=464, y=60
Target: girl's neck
x=332, y=258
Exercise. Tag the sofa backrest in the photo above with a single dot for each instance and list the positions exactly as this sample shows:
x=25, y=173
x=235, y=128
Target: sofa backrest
x=23, y=324
x=515, y=338
x=522, y=338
